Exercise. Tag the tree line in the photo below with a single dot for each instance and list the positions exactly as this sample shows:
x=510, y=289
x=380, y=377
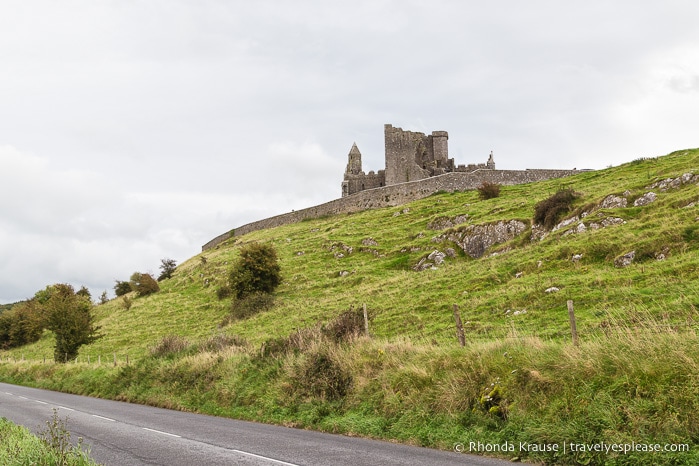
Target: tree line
x=67, y=313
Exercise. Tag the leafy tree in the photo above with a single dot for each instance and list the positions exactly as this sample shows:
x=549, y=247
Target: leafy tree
x=121, y=288
x=69, y=316
x=256, y=270
x=83, y=291
x=21, y=325
x=144, y=284
x=167, y=267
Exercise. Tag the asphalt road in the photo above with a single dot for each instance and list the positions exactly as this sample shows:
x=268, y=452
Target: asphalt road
x=129, y=434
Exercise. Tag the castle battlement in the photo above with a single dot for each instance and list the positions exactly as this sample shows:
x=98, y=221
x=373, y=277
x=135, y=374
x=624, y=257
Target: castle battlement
x=410, y=156
x=417, y=166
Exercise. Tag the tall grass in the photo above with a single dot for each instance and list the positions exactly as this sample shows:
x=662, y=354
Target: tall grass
x=633, y=384
x=18, y=446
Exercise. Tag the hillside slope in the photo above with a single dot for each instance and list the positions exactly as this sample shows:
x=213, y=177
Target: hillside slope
x=518, y=377
x=322, y=278
x=386, y=243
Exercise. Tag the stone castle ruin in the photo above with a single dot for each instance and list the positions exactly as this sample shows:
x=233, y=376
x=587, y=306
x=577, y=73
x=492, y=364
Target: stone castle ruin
x=410, y=156
x=417, y=166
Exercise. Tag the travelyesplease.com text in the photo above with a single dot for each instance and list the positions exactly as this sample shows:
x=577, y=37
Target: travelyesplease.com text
x=573, y=447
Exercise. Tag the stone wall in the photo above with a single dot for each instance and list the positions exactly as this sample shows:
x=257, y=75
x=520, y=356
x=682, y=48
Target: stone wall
x=390, y=196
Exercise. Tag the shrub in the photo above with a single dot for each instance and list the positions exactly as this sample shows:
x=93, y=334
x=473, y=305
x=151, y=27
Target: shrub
x=321, y=375
x=169, y=345
x=347, y=325
x=224, y=292
x=256, y=270
x=121, y=288
x=144, y=284
x=126, y=303
x=250, y=304
x=549, y=211
x=488, y=190
x=220, y=342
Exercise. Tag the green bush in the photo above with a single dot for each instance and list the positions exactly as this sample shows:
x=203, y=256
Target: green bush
x=224, y=292
x=256, y=270
x=144, y=284
x=550, y=210
x=122, y=288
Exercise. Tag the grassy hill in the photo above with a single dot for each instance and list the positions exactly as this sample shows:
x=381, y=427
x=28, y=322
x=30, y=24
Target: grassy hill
x=632, y=378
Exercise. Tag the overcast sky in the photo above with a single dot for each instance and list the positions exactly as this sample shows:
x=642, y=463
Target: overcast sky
x=132, y=131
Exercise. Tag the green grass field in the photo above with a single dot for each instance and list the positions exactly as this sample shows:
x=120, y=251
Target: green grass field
x=632, y=378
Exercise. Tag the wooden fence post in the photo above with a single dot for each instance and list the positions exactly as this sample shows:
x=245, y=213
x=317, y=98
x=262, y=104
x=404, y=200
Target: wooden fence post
x=459, y=326
x=366, y=321
x=114, y=359
x=571, y=316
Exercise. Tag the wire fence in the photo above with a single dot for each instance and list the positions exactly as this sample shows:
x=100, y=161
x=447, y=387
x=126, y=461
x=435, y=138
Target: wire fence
x=113, y=359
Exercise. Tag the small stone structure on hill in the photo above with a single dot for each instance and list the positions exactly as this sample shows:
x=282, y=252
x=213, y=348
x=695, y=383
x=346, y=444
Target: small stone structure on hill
x=417, y=166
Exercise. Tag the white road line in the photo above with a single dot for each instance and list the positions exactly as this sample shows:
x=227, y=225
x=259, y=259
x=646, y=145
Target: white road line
x=264, y=458
x=23, y=397
x=161, y=432
x=8, y=393
x=42, y=402
x=67, y=409
x=102, y=417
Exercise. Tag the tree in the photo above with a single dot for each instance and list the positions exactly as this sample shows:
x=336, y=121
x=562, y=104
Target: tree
x=121, y=288
x=256, y=270
x=69, y=316
x=144, y=284
x=21, y=325
x=167, y=266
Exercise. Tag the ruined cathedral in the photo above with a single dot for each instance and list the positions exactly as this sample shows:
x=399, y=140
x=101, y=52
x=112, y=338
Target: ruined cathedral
x=410, y=156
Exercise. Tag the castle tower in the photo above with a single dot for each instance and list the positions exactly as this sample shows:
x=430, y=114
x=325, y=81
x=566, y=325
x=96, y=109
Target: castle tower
x=491, y=162
x=440, y=148
x=354, y=161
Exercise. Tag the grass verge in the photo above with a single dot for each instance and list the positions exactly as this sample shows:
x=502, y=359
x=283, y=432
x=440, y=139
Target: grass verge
x=629, y=387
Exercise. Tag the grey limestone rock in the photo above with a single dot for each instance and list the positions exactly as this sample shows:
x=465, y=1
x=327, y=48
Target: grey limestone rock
x=476, y=239
x=646, y=199
x=625, y=260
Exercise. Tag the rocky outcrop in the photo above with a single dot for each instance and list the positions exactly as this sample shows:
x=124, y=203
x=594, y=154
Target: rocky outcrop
x=646, y=199
x=613, y=202
x=474, y=240
x=674, y=183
